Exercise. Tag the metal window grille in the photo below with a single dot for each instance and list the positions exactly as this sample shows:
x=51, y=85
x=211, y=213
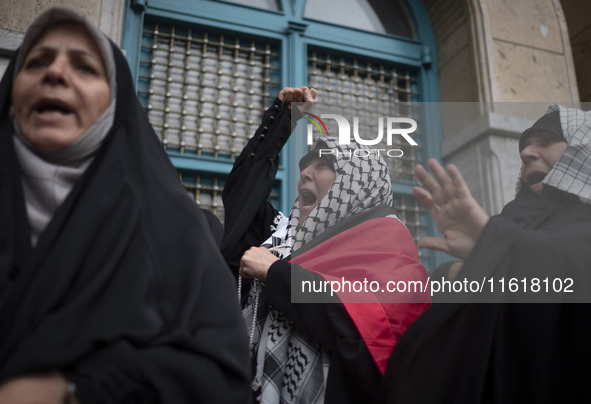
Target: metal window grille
x=206, y=190
x=204, y=92
x=415, y=217
x=353, y=87
x=370, y=90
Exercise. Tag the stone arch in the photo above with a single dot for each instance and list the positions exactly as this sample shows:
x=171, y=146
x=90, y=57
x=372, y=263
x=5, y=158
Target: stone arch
x=512, y=54
x=576, y=15
x=452, y=29
x=501, y=51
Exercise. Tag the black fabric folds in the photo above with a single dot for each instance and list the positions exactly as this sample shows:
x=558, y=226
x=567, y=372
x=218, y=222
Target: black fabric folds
x=507, y=352
x=126, y=291
x=247, y=214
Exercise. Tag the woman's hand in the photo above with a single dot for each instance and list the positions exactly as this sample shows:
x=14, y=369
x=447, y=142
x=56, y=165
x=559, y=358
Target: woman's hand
x=302, y=94
x=458, y=216
x=42, y=388
x=255, y=263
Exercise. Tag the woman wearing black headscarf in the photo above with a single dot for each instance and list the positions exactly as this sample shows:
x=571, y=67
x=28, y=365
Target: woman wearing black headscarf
x=473, y=351
x=109, y=278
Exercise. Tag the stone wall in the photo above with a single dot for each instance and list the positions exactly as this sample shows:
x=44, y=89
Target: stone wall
x=17, y=15
x=495, y=52
x=501, y=63
x=532, y=57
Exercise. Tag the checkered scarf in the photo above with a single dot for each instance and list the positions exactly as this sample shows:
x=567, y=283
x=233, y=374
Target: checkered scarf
x=572, y=173
x=290, y=366
x=361, y=183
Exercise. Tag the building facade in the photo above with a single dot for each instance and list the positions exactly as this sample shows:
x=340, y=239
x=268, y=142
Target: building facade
x=205, y=69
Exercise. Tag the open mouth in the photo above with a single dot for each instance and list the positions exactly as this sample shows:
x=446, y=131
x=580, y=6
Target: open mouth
x=535, y=177
x=52, y=107
x=308, y=198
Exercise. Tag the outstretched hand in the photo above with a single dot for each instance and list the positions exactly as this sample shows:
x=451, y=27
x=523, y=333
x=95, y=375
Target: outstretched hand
x=302, y=94
x=458, y=216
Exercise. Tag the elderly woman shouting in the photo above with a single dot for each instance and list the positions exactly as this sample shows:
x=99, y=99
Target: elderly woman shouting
x=111, y=287
x=341, y=227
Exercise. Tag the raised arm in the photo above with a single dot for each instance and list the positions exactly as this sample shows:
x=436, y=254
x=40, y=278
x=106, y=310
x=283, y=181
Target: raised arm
x=248, y=215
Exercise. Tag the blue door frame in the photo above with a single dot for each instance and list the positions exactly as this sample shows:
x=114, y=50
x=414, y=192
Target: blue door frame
x=295, y=33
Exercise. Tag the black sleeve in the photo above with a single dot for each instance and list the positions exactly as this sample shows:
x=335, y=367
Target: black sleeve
x=248, y=215
x=328, y=324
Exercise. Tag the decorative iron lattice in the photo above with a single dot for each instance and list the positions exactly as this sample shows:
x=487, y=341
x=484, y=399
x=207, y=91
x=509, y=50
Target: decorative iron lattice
x=204, y=93
x=414, y=216
x=353, y=87
x=206, y=190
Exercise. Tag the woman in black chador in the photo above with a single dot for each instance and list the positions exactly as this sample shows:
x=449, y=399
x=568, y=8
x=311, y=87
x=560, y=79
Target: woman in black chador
x=112, y=289
x=535, y=351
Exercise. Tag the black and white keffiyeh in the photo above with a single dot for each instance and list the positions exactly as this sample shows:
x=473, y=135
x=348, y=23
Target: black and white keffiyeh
x=362, y=182
x=290, y=367
x=572, y=173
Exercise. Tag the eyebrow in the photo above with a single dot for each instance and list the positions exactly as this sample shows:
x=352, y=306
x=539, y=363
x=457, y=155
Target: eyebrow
x=74, y=51
x=544, y=134
x=540, y=137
